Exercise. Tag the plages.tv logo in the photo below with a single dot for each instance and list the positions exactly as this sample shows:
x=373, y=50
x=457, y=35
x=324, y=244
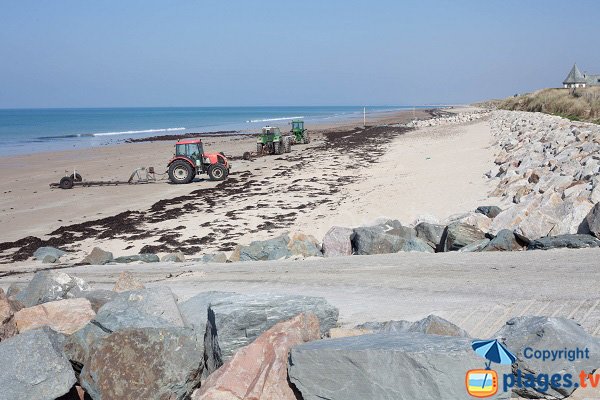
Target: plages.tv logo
x=483, y=383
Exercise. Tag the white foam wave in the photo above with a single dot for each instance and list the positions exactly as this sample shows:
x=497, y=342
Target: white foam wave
x=136, y=132
x=274, y=119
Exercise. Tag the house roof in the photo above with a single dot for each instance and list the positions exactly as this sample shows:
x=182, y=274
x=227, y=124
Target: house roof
x=575, y=76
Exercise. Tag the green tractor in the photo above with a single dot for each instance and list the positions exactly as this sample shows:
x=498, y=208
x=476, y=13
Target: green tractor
x=300, y=134
x=271, y=141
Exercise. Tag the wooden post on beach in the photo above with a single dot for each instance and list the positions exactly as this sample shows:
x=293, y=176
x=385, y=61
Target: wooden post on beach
x=364, y=117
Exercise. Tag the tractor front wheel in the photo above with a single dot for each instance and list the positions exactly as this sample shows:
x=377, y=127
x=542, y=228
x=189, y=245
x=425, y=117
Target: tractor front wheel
x=217, y=172
x=259, y=148
x=287, y=144
x=277, y=148
x=181, y=171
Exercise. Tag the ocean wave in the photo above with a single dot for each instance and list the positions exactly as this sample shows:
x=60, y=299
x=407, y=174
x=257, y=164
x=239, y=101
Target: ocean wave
x=273, y=119
x=81, y=135
x=136, y=132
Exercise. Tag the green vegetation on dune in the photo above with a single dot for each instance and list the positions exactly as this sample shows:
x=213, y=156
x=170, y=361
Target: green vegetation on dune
x=581, y=104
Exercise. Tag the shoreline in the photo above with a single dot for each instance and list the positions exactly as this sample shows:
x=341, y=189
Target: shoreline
x=319, y=181
x=44, y=142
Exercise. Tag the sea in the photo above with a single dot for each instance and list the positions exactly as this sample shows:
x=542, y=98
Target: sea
x=25, y=131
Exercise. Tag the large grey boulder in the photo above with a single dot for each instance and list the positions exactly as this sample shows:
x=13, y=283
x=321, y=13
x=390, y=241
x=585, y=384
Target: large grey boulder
x=593, y=220
x=386, y=327
x=263, y=250
x=338, y=242
x=458, y=235
x=381, y=366
x=303, y=245
x=146, y=363
x=34, y=367
x=575, y=241
x=430, y=233
x=505, y=240
x=43, y=252
x=240, y=319
x=98, y=257
x=524, y=335
x=147, y=308
x=385, y=238
x=48, y=286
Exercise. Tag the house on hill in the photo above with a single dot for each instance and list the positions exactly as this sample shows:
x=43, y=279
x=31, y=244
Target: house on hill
x=576, y=79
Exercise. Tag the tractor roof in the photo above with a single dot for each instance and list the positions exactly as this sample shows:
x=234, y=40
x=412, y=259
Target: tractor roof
x=189, y=141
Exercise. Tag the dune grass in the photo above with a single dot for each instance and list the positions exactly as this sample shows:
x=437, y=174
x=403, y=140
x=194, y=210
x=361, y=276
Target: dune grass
x=582, y=104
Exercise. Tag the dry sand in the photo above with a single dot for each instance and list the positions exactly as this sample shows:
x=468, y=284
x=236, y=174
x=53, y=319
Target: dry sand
x=343, y=177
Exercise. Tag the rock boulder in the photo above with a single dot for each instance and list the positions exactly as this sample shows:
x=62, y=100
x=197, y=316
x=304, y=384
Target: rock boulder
x=34, y=367
x=593, y=220
x=338, y=242
x=505, y=240
x=577, y=241
x=48, y=286
x=545, y=333
x=430, y=233
x=144, y=363
x=383, y=366
x=147, y=308
x=42, y=252
x=63, y=316
x=98, y=257
x=259, y=370
x=240, y=319
x=8, y=327
x=385, y=238
x=489, y=211
x=458, y=235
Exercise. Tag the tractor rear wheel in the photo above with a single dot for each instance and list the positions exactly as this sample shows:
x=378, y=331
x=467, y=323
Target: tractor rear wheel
x=306, y=138
x=259, y=148
x=66, y=183
x=181, y=171
x=217, y=172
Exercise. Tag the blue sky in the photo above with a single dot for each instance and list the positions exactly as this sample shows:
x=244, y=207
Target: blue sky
x=74, y=53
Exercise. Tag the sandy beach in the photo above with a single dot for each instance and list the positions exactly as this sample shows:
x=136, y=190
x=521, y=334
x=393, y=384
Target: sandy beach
x=331, y=181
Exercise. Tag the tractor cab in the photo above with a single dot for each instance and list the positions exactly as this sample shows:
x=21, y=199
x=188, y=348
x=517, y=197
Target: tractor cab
x=297, y=126
x=192, y=149
x=271, y=130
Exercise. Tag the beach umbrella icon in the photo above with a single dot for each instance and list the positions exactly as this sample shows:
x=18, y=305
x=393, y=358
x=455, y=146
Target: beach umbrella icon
x=493, y=351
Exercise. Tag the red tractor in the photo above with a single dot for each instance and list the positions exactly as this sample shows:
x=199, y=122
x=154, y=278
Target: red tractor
x=190, y=160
